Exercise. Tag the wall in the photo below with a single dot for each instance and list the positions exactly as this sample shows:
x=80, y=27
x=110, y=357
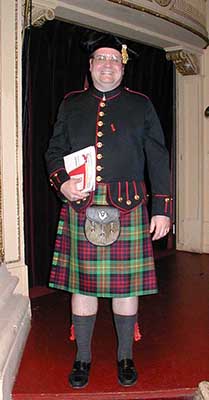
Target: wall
x=206, y=154
x=14, y=301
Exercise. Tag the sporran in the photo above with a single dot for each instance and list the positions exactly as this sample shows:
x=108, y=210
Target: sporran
x=102, y=225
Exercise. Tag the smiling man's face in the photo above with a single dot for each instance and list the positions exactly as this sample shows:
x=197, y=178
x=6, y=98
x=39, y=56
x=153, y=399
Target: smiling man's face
x=106, y=69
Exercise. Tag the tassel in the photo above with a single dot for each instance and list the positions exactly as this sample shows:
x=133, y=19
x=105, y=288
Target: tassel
x=137, y=334
x=72, y=333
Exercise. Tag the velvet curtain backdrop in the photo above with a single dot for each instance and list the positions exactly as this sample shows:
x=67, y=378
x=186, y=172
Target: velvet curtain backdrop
x=54, y=64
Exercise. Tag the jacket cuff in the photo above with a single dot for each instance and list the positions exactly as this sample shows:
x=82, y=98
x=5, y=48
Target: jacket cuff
x=162, y=205
x=57, y=178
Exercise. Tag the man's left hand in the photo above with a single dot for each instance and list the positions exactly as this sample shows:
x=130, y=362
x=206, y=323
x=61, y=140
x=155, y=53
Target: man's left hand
x=160, y=226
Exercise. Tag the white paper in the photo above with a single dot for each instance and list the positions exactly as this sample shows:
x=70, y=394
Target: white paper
x=85, y=162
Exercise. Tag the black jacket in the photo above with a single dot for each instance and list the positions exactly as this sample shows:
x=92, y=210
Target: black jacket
x=126, y=131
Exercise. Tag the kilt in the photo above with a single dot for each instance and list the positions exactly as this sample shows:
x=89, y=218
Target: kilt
x=123, y=269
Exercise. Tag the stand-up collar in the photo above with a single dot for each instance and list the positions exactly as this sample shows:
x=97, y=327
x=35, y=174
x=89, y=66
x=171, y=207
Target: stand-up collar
x=106, y=95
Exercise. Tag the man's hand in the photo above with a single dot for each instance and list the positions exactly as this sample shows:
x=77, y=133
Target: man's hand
x=160, y=226
x=70, y=191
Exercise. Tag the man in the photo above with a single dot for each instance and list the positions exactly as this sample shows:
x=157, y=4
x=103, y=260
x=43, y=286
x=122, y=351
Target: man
x=124, y=128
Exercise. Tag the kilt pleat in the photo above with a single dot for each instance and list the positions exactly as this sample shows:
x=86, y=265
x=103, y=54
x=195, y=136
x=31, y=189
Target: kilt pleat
x=123, y=269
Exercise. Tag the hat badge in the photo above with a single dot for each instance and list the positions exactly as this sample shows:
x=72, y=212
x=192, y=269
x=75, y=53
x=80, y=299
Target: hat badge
x=124, y=54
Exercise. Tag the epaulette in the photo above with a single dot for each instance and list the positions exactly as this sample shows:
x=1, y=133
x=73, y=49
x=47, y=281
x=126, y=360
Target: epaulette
x=74, y=92
x=135, y=92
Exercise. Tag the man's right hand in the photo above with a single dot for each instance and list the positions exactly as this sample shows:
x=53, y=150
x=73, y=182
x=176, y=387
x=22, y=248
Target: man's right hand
x=70, y=191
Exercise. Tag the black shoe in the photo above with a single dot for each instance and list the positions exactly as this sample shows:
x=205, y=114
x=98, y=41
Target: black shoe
x=80, y=374
x=127, y=374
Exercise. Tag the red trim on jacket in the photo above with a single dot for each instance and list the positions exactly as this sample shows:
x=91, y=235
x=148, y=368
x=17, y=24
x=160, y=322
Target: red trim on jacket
x=108, y=98
x=74, y=92
x=161, y=195
x=134, y=91
x=56, y=172
x=123, y=210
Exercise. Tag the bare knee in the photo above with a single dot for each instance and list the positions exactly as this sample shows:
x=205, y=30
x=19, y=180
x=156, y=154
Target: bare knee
x=125, y=305
x=84, y=305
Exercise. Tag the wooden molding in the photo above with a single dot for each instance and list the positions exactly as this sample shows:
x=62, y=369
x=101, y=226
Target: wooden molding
x=186, y=63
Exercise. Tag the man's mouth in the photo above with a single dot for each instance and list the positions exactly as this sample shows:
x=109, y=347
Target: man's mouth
x=107, y=73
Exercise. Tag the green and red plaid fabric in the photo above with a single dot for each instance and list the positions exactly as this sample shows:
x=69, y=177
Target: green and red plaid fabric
x=123, y=269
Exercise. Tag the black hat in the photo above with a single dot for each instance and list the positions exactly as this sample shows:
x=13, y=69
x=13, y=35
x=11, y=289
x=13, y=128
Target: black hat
x=98, y=40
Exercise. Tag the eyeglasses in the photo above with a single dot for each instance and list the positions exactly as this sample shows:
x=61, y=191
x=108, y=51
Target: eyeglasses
x=102, y=58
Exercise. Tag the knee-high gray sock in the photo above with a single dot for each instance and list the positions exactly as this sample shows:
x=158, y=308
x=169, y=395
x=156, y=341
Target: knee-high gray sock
x=84, y=326
x=125, y=331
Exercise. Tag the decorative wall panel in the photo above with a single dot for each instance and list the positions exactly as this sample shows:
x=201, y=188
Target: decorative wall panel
x=190, y=15
x=193, y=11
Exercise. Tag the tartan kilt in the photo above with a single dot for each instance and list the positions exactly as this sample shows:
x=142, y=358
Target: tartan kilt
x=123, y=269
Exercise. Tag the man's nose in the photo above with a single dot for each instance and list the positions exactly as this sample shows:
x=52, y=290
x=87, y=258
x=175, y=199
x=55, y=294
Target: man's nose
x=108, y=62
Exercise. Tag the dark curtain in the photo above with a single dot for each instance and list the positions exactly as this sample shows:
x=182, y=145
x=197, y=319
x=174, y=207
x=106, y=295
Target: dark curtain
x=54, y=64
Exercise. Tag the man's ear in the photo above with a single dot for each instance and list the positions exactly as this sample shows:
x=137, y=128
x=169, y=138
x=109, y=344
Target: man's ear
x=90, y=64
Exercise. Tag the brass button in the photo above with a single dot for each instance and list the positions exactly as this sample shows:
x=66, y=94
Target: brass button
x=136, y=197
x=101, y=113
x=99, y=156
x=98, y=178
x=100, y=133
x=128, y=202
x=99, y=168
x=120, y=199
x=102, y=104
x=78, y=202
x=84, y=199
x=100, y=123
x=99, y=145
